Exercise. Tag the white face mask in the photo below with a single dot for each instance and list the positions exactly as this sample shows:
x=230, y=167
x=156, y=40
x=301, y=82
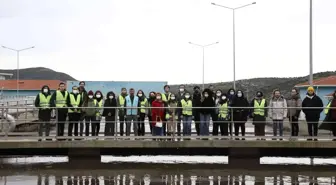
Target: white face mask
x=158, y=97
x=218, y=94
x=187, y=96
x=224, y=98
x=75, y=91
x=111, y=97
x=239, y=95
x=140, y=95
x=98, y=95
x=172, y=98
x=231, y=92
x=206, y=95
x=181, y=90
x=90, y=96
x=45, y=90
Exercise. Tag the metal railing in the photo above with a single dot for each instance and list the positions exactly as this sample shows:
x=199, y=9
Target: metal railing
x=175, y=134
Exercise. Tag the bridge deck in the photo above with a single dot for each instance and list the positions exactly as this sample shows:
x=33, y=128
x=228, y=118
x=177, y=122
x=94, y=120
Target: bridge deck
x=12, y=144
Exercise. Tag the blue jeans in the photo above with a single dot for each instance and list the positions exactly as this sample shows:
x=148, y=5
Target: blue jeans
x=277, y=125
x=157, y=131
x=205, y=123
x=187, y=125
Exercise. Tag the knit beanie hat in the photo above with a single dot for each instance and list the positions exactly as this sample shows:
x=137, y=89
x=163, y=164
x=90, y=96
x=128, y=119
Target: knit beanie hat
x=311, y=89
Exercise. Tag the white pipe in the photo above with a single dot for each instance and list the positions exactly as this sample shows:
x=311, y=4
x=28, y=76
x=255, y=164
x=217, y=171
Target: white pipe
x=10, y=120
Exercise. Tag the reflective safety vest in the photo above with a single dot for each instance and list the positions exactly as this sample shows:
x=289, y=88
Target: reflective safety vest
x=223, y=110
x=326, y=110
x=186, y=107
x=121, y=101
x=143, y=104
x=164, y=97
x=100, y=104
x=44, y=101
x=60, y=99
x=132, y=111
x=75, y=102
x=259, y=109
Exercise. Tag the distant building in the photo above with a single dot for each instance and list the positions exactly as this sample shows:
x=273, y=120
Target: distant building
x=4, y=76
x=115, y=86
x=324, y=88
x=26, y=87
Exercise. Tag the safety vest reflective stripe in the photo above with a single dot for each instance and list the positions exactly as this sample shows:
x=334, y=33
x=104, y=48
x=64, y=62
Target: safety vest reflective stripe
x=75, y=102
x=259, y=109
x=44, y=101
x=164, y=97
x=186, y=107
x=60, y=99
x=326, y=110
x=143, y=104
x=121, y=101
x=223, y=110
x=100, y=104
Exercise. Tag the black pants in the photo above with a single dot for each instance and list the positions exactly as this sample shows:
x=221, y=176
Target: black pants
x=215, y=124
x=122, y=124
x=259, y=123
x=178, y=127
x=241, y=125
x=81, y=124
x=95, y=128
x=61, y=118
x=197, y=119
x=312, y=126
x=141, y=124
x=230, y=128
x=221, y=124
x=109, y=125
x=73, y=123
x=295, y=126
x=88, y=120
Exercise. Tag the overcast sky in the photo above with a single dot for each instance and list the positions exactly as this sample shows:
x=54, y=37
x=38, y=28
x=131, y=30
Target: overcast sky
x=143, y=40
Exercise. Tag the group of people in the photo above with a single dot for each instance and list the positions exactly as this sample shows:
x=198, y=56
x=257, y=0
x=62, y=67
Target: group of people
x=169, y=113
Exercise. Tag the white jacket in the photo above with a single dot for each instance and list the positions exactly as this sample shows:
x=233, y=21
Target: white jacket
x=278, y=108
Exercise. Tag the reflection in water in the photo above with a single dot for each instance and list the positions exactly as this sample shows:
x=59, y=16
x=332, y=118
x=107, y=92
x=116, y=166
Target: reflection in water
x=147, y=179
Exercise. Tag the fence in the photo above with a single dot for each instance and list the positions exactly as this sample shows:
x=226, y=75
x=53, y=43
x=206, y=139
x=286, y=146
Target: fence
x=178, y=127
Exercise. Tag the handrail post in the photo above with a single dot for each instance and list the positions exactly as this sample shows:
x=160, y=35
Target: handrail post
x=56, y=121
x=116, y=123
x=231, y=124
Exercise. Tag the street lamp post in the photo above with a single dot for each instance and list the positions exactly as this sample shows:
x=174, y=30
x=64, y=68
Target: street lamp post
x=311, y=44
x=203, y=46
x=18, y=65
x=234, y=36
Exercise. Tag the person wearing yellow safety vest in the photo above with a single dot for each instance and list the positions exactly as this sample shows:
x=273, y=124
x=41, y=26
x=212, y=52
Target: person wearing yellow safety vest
x=121, y=102
x=165, y=98
x=208, y=107
x=58, y=100
x=42, y=102
x=259, y=114
x=99, y=102
x=186, y=113
x=74, y=102
x=90, y=113
x=179, y=97
x=143, y=112
x=330, y=120
x=132, y=109
x=172, y=115
x=223, y=117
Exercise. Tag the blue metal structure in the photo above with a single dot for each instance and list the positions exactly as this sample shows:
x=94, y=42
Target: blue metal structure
x=115, y=86
x=321, y=91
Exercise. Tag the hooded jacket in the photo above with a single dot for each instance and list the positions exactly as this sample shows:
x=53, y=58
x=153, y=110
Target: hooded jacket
x=241, y=113
x=207, y=102
x=312, y=101
x=196, y=101
x=278, y=108
x=295, y=102
x=108, y=111
x=231, y=97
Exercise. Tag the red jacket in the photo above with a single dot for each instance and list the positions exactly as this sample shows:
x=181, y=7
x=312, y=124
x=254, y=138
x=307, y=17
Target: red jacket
x=157, y=112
